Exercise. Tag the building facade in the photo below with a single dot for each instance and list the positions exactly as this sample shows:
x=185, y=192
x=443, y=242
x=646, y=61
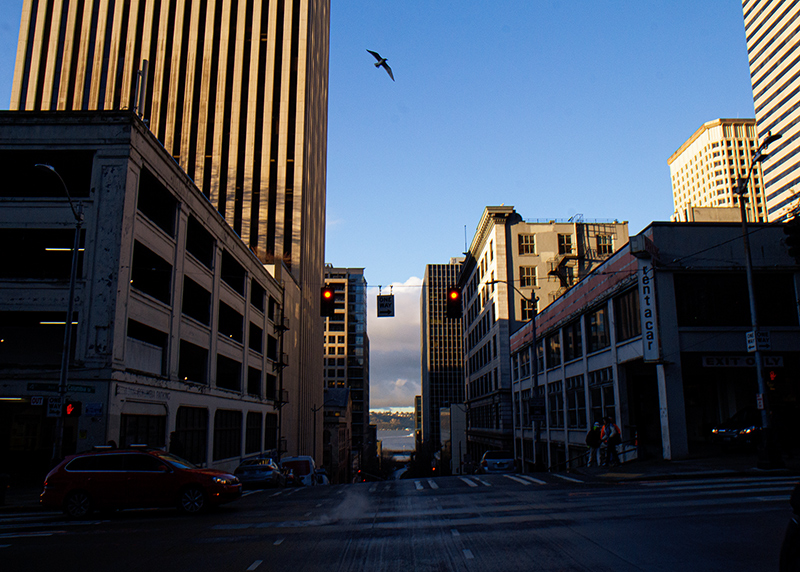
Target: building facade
x=347, y=350
x=705, y=171
x=655, y=338
x=179, y=331
x=237, y=94
x=336, y=435
x=513, y=269
x=771, y=29
x=441, y=340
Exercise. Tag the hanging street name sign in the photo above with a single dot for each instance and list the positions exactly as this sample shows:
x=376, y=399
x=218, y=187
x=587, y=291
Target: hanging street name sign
x=386, y=306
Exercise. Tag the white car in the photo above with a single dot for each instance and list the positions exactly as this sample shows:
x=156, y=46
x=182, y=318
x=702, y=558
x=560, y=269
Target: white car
x=302, y=467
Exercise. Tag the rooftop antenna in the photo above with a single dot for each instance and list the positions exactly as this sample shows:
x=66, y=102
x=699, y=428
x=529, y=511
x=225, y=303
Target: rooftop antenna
x=141, y=89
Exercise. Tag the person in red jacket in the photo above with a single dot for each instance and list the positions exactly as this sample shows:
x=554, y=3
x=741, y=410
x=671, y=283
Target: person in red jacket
x=611, y=437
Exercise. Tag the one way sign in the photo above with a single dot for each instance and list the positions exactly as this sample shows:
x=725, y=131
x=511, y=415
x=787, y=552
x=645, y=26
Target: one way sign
x=386, y=306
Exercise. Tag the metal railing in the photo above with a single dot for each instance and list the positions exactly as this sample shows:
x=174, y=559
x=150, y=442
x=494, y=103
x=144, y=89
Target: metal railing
x=627, y=451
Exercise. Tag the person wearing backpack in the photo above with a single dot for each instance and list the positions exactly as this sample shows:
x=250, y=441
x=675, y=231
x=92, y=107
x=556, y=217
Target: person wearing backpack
x=611, y=437
x=593, y=441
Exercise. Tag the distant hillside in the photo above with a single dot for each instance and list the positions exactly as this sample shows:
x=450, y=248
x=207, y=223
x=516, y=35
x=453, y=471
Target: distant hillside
x=387, y=421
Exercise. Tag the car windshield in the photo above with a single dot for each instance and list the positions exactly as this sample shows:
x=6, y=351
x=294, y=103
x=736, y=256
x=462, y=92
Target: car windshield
x=495, y=455
x=176, y=461
x=300, y=468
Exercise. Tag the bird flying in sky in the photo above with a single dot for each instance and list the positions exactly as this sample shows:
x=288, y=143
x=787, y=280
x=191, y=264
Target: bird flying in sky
x=382, y=63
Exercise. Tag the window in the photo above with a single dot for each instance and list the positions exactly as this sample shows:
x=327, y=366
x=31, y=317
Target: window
x=40, y=253
x=626, y=311
x=256, y=340
x=230, y=322
x=252, y=433
x=200, y=243
x=565, y=244
x=191, y=434
x=254, y=381
x=227, y=434
x=576, y=402
x=597, y=330
x=257, y=295
x=271, y=431
x=151, y=274
x=232, y=273
x=573, y=347
x=193, y=363
x=156, y=202
x=604, y=244
x=553, y=351
x=229, y=373
x=555, y=404
x=528, y=309
x=527, y=244
x=527, y=276
x=196, y=301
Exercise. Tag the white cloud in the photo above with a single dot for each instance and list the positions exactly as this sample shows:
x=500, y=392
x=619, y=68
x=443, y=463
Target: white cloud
x=394, y=352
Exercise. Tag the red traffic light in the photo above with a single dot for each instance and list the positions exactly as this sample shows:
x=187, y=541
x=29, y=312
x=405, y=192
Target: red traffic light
x=326, y=304
x=453, y=306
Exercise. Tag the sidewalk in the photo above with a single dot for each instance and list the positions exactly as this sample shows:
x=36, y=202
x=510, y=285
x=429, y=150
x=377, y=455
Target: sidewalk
x=21, y=498
x=705, y=467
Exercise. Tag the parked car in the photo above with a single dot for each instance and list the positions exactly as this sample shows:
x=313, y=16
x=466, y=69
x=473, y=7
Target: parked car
x=742, y=429
x=302, y=467
x=110, y=479
x=260, y=472
x=497, y=462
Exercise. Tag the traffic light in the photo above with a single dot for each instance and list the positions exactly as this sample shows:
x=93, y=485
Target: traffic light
x=73, y=409
x=792, y=231
x=326, y=304
x=454, y=303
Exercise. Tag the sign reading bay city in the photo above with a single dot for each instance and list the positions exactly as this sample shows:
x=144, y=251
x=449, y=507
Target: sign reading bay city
x=386, y=306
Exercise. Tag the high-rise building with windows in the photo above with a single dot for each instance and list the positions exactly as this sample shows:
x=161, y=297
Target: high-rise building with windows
x=236, y=91
x=772, y=30
x=346, y=361
x=441, y=339
x=512, y=262
x=705, y=171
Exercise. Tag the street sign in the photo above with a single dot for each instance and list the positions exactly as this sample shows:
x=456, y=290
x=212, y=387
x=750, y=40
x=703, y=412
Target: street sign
x=386, y=306
x=760, y=401
x=54, y=407
x=758, y=341
x=37, y=400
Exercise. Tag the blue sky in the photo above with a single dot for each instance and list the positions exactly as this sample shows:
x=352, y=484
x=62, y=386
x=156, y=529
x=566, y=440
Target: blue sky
x=554, y=107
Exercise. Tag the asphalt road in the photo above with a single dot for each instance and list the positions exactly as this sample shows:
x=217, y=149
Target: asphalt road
x=487, y=523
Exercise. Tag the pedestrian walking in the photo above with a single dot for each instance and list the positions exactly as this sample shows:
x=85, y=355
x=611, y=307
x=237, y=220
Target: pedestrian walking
x=611, y=436
x=593, y=441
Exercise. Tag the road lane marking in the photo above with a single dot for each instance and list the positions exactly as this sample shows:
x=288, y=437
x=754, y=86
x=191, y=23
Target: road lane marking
x=469, y=482
x=248, y=493
x=533, y=480
x=319, y=505
x=255, y=565
x=566, y=478
x=454, y=532
x=418, y=485
x=484, y=483
x=468, y=554
x=278, y=542
x=30, y=534
x=523, y=481
x=307, y=514
x=373, y=488
x=275, y=494
x=432, y=484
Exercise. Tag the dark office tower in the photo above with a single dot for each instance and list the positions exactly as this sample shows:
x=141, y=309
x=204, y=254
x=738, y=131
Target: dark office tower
x=772, y=30
x=236, y=91
x=442, y=349
x=347, y=350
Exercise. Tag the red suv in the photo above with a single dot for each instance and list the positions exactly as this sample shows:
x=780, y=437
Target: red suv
x=134, y=478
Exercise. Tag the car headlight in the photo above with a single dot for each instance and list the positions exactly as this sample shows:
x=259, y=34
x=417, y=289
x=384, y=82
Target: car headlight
x=225, y=480
x=748, y=430
x=715, y=430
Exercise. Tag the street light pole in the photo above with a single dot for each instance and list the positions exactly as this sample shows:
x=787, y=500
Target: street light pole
x=77, y=212
x=767, y=459
x=532, y=300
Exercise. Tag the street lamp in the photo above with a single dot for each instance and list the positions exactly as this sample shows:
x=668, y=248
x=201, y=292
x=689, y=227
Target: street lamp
x=767, y=458
x=532, y=301
x=77, y=212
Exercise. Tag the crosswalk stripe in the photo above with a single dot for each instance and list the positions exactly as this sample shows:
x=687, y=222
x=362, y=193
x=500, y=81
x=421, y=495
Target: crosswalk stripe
x=566, y=478
x=469, y=482
x=418, y=485
x=433, y=484
x=533, y=480
x=517, y=479
x=484, y=483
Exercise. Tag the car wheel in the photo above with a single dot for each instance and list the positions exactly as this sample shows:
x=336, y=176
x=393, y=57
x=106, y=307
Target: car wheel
x=78, y=504
x=192, y=500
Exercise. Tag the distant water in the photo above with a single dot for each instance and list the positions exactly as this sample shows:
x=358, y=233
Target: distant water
x=397, y=440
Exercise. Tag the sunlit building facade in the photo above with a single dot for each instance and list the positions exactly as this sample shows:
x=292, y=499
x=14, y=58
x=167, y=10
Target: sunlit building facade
x=705, y=171
x=772, y=29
